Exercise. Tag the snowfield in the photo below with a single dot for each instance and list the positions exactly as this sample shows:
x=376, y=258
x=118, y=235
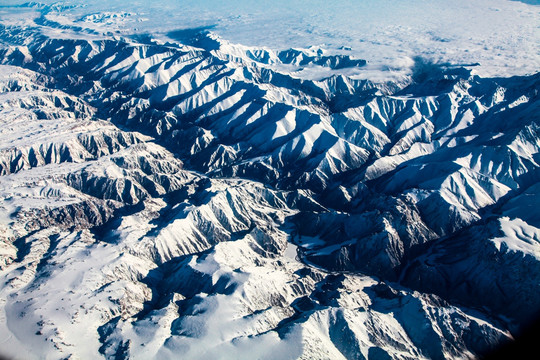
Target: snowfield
x=235, y=181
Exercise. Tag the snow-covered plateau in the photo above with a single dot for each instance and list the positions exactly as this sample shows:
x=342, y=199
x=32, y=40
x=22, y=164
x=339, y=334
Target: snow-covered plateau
x=204, y=180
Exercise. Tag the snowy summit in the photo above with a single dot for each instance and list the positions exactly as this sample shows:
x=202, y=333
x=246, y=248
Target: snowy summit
x=239, y=180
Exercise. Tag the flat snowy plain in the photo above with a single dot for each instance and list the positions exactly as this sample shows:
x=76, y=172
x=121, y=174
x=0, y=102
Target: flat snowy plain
x=502, y=36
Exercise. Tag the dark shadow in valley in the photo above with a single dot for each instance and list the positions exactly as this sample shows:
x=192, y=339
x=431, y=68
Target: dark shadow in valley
x=197, y=37
x=524, y=345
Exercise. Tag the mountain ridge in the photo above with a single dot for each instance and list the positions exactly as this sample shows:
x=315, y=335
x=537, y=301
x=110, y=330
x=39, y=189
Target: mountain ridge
x=210, y=205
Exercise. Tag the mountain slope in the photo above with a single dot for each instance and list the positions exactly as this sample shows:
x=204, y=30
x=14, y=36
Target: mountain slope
x=199, y=199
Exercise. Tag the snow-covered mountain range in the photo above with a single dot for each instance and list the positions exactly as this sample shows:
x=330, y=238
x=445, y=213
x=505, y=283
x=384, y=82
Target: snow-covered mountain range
x=196, y=198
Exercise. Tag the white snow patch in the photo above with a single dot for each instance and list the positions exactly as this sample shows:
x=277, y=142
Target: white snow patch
x=519, y=237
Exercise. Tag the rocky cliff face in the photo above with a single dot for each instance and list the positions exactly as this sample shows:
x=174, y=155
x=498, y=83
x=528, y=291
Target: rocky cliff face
x=165, y=199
